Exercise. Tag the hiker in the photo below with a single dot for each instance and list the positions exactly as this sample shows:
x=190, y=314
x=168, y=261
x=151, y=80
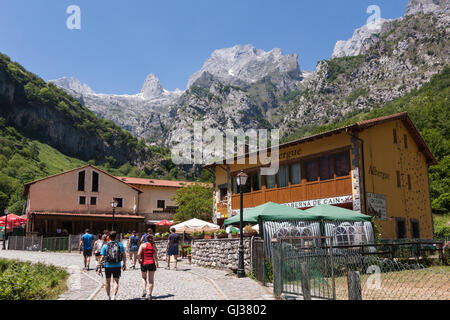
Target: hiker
x=86, y=246
x=98, y=245
x=144, y=236
x=113, y=254
x=133, y=247
x=148, y=258
x=172, y=247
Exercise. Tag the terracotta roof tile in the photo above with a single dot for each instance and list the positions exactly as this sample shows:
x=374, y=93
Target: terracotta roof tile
x=78, y=214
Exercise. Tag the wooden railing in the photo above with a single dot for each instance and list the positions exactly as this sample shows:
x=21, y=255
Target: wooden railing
x=306, y=191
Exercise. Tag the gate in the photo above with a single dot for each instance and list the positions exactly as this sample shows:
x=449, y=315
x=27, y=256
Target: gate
x=55, y=244
x=302, y=269
x=258, y=260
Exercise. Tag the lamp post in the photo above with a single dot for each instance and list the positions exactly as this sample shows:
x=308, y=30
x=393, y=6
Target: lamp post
x=6, y=228
x=241, y=180
x=113, y=206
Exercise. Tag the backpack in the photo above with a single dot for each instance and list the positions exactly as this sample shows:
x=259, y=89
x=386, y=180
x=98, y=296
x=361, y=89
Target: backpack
x=113, y=252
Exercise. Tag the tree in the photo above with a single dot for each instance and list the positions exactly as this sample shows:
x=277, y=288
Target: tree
x=195, y=201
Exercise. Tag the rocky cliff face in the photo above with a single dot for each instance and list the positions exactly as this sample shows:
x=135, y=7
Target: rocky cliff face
x=428, y=6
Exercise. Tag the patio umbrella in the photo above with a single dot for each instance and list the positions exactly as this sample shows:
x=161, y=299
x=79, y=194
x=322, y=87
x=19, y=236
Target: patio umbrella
x=164, y=223
x=13, y=221
x=194, y=225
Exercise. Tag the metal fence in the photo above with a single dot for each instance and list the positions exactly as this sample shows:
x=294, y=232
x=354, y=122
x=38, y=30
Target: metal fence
x=346, y=273
x=39, y=243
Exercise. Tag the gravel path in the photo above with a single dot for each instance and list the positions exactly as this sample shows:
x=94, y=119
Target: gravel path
x=188, y=283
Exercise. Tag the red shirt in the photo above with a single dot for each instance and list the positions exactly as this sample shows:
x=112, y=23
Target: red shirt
x=148, y=253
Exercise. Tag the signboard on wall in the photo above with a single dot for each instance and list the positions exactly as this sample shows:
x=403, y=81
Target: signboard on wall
x=376, y=205
x=314, y=203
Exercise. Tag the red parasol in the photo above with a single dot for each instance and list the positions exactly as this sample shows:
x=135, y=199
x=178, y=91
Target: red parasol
x=13, y=220
x=164, y=223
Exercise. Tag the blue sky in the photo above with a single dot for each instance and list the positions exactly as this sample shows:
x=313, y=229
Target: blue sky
x=120, y=42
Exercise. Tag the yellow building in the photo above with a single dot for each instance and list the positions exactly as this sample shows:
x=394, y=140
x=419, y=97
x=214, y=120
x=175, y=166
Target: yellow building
x=378, y=167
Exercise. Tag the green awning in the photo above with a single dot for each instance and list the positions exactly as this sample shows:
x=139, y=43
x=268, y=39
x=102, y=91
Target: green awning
x=332, y=213
x=270, y=211
x=277, y=212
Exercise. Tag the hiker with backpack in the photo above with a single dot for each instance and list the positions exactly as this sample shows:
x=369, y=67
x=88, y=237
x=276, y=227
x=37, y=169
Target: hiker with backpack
x=86, y=246
x=113, y=254
x=148, y=258
x=133, y=247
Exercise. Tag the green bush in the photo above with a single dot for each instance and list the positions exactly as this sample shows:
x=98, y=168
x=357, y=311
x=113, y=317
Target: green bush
x=26, y=281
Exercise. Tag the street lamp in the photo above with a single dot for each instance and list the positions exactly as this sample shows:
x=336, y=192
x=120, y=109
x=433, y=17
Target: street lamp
x=6, y=228
x=114, y=204
x=241, y=180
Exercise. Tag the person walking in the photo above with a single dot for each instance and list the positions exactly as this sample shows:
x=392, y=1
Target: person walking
x=98, y=245
x=133, y=247
x=113, y=254
x=148, y=258
x=172, y=247
x=86, y=246
x=144, y=236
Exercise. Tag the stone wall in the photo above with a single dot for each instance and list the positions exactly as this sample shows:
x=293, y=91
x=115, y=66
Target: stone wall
x=161, y=246
x=220, y=253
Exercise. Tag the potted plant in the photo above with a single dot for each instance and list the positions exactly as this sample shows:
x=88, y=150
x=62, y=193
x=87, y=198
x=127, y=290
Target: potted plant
x=165, y=235
x=208, y=235
x=189, y=255
x=220, y=234
x=197, y=235
x=249, y=231
x=234, y=234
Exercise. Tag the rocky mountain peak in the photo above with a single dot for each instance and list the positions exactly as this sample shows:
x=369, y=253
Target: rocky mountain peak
x=152, y=88
x=245, y=64
x=361, y=40
x=427, y=6
x=73, y=84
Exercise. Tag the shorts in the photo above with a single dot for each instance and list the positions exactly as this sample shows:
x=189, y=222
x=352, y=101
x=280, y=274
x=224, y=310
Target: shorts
x=98, y=254
x=148, y=267
x=172, y=251
x=116, y=272
x=133, y=248
x=87, y=253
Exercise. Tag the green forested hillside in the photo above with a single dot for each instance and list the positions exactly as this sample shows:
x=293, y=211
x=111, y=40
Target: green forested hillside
x=429, y=108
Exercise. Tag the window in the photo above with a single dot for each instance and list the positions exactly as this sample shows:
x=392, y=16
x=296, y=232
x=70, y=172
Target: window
x=93, y=201
x=406, y=141
x=401, y=228
x=395, y=136
x=415, y=232
x=296, y=176
x=312, y=170
x=326, y=168
x=342, y=164
x=119, y=202
x=81, y=180
x=235, y=186
x=161, y=204
x=95, y=176
x=256, y=181
x=283, y=177
x=270, y=182
x=82, y=200
x=409, y=182
x=399, y=184
x=223, y=192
